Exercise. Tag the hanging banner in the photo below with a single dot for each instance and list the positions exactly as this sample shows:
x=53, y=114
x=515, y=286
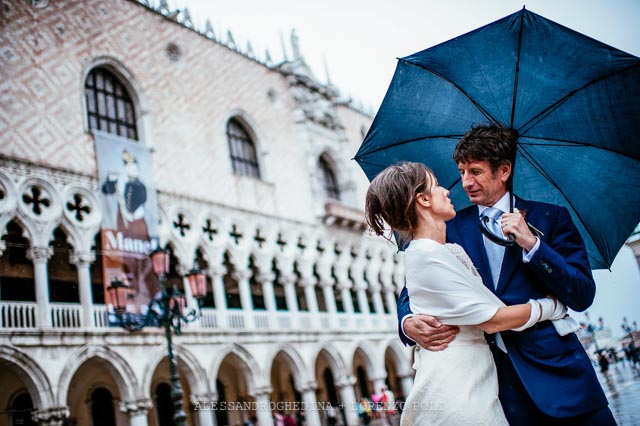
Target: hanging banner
x=129, y=225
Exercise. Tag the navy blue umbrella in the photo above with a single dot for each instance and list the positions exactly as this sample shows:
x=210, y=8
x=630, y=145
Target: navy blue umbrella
x=574, y=101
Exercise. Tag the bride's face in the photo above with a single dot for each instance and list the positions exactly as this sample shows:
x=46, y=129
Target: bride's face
x=440, y=203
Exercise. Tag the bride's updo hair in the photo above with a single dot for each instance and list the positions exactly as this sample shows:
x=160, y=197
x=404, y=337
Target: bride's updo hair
x=392, y=195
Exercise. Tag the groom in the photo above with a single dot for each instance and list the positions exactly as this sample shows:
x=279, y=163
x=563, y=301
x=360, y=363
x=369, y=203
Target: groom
x=544, y=378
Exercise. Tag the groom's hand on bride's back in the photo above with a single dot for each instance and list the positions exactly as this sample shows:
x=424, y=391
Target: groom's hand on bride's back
x=428, y=332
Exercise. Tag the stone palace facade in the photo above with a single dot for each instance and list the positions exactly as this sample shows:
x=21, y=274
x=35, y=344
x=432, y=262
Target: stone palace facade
x=252, y=164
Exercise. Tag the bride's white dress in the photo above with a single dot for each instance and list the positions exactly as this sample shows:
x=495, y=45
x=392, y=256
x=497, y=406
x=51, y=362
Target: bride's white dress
x=457, y=386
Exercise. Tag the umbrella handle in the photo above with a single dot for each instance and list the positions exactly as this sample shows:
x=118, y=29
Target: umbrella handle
x=506, y=242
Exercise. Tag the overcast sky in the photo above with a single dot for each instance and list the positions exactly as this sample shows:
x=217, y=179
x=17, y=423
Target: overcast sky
x=359, y=40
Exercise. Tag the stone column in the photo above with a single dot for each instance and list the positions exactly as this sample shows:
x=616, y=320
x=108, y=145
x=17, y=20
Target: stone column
x=406, y=382
x=263, y=409
x=378, y=383
x=204, y=408
x=310, y=296
x=40, y=256
x=289, y=284
x=330, y=302
x=269, y=296
x=54, y=416
x=329, y=296
x=220, y=298
x=363, y=301
x=266, y=281
x=137, y=411
x=310, y=404
x=83, y=263
x=347, y=301
x=377, y=299
x=348, y=397
x=389, y=295
x=242, y=277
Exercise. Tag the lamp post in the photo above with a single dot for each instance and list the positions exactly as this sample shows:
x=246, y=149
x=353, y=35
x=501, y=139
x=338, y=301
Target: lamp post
x=592, y=330
x=167, y=311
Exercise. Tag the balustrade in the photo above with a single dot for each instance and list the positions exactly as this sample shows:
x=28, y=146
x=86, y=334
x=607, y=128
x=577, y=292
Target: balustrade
x=65, y=315
x=23, y=315
x=18, y=314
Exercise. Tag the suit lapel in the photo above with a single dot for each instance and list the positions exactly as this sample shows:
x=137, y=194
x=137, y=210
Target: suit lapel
x=512, y=257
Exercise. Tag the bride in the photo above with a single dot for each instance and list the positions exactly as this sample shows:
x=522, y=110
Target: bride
x=459, y=385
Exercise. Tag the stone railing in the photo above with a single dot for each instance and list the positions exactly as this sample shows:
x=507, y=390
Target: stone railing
x=23, y=315
x=18, y=314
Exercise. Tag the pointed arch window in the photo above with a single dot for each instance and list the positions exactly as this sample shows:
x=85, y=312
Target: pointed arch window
x=242, y=149
x=328, y=179
x=109, y=105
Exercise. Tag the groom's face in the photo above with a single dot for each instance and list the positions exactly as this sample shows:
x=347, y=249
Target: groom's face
x=482, y=185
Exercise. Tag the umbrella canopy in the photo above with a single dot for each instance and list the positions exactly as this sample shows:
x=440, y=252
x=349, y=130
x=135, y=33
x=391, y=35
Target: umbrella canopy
x=574, y=101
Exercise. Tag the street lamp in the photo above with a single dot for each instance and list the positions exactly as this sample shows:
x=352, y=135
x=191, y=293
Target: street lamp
x=168, y=311
x=592, y=330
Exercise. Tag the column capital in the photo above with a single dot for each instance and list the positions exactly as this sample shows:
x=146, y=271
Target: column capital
x=82, y=258
x=265, y=277
x=53, y=416
x=287, y=279
x=203, y=399
x=136, y=407
x=310, y=386
x=344, y=285
x=262, y=392
x=389, y=289
x=39, y=254
x=215, y=271
x=182, y=269
x=375, y=288
x=325, y=283
x=307, y=282
x=241, y=275
x=346, y=381
x=360, y=285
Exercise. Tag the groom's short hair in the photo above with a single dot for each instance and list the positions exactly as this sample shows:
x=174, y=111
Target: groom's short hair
x=494, y=143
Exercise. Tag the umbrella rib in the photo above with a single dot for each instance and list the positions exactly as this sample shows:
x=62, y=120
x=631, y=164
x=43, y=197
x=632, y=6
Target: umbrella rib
x=544, y=113
x=460, y=89
x=574, y=144
x=382, y=148
x=455, y=182
x=515, y=78
x=540, y=170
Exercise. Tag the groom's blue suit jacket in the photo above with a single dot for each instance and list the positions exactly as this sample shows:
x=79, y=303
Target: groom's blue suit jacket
x=555, y=370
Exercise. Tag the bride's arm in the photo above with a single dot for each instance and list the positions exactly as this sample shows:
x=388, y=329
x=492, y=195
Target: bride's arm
x=506, y=318
x=523, y=316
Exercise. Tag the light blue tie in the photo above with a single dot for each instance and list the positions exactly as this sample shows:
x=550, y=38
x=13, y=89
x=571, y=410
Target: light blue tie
x=495, y=252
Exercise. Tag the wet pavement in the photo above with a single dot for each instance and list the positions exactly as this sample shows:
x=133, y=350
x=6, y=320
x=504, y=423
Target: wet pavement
x=622, y=387
x=621, y=384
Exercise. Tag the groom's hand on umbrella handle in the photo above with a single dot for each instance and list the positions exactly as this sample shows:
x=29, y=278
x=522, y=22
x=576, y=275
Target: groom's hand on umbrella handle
x=515, y=224
x=428, y=332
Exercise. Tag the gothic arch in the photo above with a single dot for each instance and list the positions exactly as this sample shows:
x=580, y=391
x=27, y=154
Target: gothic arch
x=117, y=365
x=192, y=370
x=396, y=350
x=372, y=359
x=335, y=360
x=32, y=375
x=246, y=363
x=299, y=369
